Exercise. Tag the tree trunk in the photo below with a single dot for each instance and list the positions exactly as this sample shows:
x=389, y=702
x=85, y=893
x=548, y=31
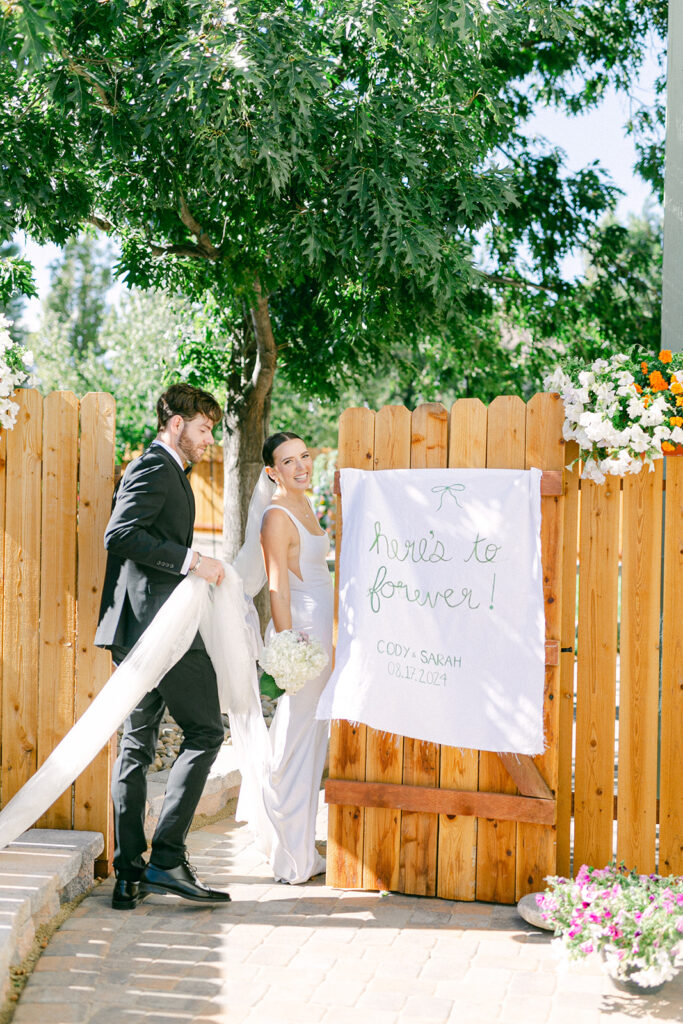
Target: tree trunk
x=246, y=422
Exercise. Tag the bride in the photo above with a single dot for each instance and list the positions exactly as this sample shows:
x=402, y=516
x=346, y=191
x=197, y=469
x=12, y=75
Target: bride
x=294, y=551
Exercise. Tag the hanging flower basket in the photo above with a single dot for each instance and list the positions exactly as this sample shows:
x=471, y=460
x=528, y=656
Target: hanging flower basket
x=623, y=413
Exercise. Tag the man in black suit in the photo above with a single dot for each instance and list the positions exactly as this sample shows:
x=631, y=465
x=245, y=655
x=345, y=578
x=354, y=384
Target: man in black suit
x=148, y=541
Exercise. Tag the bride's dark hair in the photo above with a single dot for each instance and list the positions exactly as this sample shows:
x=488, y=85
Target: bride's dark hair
x=274, y=441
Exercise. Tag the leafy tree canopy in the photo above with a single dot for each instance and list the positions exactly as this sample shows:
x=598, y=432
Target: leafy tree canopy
x=325, y=172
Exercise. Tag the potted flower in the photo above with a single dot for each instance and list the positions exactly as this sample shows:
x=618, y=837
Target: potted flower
x=623, y=412
x=635, y=921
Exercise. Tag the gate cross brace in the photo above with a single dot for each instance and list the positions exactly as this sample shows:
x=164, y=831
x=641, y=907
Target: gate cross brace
x=430, y=800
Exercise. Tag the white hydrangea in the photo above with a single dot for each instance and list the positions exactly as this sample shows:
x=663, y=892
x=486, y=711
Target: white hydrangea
x=14, y=361
x=292, y=659
x=618, y=429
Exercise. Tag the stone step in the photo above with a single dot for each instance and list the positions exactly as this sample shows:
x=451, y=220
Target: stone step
x=42, y=869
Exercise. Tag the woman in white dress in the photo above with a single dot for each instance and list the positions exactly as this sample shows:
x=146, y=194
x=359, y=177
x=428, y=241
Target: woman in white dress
x=301, y=596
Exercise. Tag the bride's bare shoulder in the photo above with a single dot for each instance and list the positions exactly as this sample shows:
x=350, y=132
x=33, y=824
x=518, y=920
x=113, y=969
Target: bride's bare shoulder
x=276, y=521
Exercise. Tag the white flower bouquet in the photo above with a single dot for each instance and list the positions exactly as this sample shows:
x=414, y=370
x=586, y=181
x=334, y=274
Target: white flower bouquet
x=14, y=363
x=622, y=413
x=289, y=660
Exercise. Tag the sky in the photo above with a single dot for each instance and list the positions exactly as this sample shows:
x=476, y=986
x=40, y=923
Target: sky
x=597, y=135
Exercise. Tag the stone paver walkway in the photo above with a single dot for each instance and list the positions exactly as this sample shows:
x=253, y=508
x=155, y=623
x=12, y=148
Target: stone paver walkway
x=311, y=954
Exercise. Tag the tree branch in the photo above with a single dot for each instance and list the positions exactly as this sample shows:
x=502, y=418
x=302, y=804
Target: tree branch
x=180, y=249
x=101, y=223
x=517, y=282
x=266, y=349
x=78, y=69
x=204, y=243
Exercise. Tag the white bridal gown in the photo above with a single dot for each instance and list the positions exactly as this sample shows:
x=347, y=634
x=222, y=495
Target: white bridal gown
x=297, y=741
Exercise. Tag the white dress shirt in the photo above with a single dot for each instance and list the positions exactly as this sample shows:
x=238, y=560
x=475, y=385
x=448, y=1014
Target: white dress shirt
x=185, y=568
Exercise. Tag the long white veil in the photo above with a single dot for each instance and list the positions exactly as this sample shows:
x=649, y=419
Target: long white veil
x=227, y=621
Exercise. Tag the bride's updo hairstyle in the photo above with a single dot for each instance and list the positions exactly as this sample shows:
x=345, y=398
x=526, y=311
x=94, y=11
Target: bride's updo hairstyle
x=273, y=442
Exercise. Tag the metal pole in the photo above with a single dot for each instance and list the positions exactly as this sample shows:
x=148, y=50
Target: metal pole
x=672, y=290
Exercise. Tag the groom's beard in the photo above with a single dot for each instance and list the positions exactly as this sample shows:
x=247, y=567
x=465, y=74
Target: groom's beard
x=191, y=452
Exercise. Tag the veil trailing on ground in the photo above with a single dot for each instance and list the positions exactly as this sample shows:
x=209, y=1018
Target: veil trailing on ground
x=226, y=618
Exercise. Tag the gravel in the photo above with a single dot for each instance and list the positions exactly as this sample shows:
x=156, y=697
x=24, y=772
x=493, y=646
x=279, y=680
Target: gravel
x=171, y=736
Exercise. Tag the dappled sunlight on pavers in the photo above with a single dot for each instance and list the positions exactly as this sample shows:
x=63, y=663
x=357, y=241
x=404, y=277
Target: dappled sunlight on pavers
x=305, y=953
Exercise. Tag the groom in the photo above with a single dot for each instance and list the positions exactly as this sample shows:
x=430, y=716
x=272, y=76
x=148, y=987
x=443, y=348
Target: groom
x=148, y=542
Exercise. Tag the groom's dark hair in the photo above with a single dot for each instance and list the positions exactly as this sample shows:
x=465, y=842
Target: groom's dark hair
x=186, y=401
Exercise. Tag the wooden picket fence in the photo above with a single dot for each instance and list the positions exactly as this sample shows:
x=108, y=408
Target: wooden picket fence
x=474, y=854
x=56, y=480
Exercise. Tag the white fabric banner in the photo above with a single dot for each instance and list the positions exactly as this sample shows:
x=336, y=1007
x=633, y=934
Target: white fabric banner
x=441, y=622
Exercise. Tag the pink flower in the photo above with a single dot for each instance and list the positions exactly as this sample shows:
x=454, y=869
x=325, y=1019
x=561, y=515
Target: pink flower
x=679, y=924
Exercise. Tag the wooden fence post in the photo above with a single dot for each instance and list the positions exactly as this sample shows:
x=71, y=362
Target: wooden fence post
x=384, y=751
x=459, y=769
x=92, y=805
x=21, y=597
x=56, y=662
x=346, y=824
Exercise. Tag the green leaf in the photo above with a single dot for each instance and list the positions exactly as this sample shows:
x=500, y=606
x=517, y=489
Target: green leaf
x=268, y=687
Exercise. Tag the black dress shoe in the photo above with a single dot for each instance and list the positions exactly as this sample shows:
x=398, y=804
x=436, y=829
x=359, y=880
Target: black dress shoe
x=180, y=881
x=126, y=895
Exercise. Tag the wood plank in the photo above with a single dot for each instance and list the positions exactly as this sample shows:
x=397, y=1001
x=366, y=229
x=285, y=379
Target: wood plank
x=206, y=480
x=567, y=663
x=21, y=599
x=384, y=751
x=639, y=669
x=56, y=662
x=3, y=475
x=346, y=824
x=496, y=838
x=596, y=673
x=92, y=802
x=671, y=756
x=426, y=799
x=419, y=832
x=536, y=844
x=459, y=769
x=524, y=772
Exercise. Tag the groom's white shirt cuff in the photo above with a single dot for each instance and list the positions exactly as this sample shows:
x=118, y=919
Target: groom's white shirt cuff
x=185, y=567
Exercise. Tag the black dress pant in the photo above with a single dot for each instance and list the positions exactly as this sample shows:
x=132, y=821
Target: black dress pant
x=189, y=691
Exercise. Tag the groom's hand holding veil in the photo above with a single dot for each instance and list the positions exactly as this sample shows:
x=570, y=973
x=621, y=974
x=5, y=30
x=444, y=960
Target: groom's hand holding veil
x=210, y=569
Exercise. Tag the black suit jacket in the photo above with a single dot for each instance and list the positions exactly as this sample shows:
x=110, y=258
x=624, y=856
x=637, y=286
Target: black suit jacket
x=147, y=538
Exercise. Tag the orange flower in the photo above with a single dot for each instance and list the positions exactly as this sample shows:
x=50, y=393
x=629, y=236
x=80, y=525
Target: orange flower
x=676, y=421
x=643, y=367
x=679, y=400
x=657, y=382
x=665, y=356
x=668, y=447
x=676, y=387
x=646, y=401
x=638, y=388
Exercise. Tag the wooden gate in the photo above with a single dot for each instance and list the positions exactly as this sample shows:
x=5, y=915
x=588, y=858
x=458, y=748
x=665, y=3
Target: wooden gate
x=461, y=824
x=56, y=480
